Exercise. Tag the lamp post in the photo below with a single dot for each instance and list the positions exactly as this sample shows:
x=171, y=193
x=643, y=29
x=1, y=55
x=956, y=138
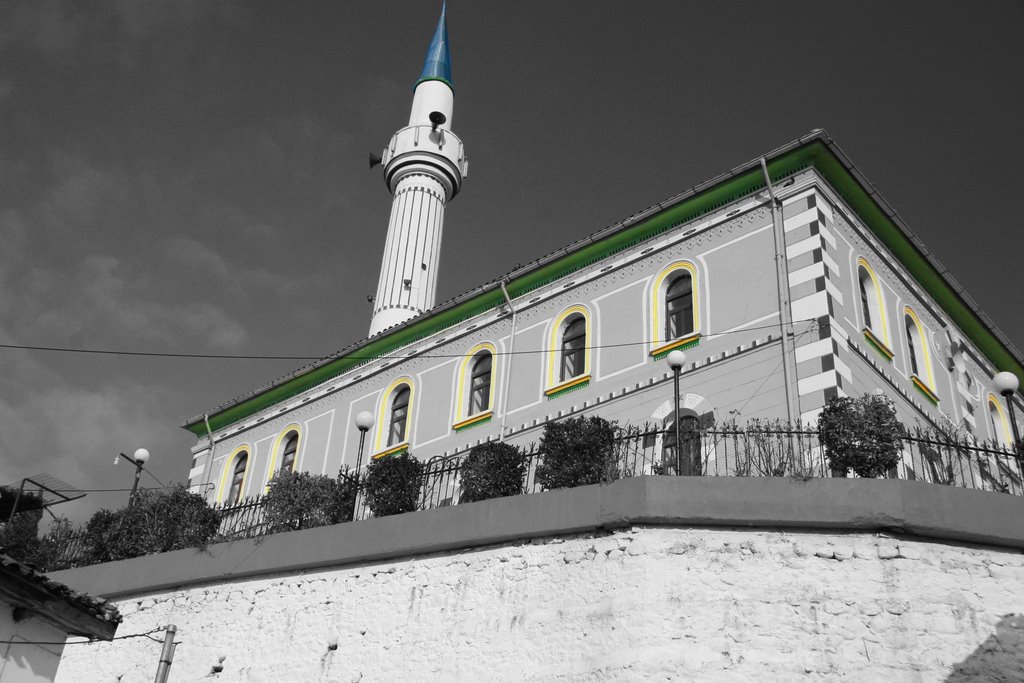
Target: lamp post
x=675, y=361
x=1006, y=383
x=364, y=421
x=139, y=459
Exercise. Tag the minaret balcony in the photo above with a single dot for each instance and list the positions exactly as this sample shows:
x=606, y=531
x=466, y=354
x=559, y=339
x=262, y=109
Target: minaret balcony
x=424, y=148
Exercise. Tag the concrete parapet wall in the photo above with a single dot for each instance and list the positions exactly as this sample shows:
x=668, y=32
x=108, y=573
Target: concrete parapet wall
x=699, y=579
x=928, y=510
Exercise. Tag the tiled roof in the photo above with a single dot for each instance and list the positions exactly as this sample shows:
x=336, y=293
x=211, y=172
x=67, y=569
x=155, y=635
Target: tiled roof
x=97, y=608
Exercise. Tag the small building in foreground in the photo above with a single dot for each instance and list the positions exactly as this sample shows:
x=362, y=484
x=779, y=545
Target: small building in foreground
x=37, y=615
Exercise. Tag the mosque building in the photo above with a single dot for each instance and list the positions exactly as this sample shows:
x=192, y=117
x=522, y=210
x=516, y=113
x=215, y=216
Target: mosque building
x=787, y=280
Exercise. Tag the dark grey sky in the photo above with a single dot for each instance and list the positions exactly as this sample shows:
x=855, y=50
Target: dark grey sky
x=190, y=176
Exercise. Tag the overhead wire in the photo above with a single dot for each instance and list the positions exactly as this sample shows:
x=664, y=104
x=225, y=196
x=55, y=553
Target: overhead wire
x=147, y=634
x=215, y=356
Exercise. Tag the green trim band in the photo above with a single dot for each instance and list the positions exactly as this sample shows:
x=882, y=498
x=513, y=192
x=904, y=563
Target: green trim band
x=875, y=343
x=816, y=154
x=435, y=78
x=923, y=388
x=397, y=450
x=469, y=424
x=567, y=390
x=687, y=344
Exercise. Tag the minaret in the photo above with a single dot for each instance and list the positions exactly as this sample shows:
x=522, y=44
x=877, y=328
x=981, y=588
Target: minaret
x=424, y=165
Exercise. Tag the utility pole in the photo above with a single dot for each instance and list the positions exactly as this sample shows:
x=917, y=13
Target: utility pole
x=163, y=669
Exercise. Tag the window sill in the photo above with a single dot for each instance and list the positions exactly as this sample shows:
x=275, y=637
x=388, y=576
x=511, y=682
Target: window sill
x=567, y=386
x=660, y=352
x=394, y=450
x=878, y=345
x=923, y=388
x=473, y=420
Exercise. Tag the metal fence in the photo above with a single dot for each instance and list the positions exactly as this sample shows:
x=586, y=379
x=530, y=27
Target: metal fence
x=245, y=519
x=71, y=551
x=442, y=479
x=773, y=450
x=759, y=449
x=954, y=461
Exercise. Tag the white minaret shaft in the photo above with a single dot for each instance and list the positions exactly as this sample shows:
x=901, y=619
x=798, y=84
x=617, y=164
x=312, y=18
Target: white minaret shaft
x=424, y=165
x=408, y=276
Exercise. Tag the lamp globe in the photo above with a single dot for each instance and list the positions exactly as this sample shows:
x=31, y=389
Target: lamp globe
x=675, y=359
x=364, y=420
x=1006, y=383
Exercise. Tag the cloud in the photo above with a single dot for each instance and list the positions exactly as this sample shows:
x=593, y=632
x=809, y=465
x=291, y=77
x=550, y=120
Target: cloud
x=57, y=29
x=51, y=425
x=109, y=250
x=102, y=299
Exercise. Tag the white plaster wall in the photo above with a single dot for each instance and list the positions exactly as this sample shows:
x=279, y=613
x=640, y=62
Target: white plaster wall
x=639, y=604
x=31, y=658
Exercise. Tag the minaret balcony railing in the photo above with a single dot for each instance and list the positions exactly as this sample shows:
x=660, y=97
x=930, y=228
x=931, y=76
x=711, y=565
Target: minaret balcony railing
x=416, y=140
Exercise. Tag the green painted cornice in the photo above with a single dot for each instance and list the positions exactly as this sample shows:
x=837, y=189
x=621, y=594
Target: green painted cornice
x=816, y=150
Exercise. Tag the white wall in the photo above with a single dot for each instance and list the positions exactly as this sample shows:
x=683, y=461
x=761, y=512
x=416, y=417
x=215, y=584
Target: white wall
x=646, y=603
x=24, y=662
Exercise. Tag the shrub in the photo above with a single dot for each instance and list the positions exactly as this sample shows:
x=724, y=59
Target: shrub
x=392, y=484
x=492, y=470
x=860, y=434
x=300, y=500
x=155, y=522
x=577, y=452
x=19, y=537
x=57, y=548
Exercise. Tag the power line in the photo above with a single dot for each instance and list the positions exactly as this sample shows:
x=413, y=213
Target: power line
x=147, y=634
x=152, y=354
x=214, y=356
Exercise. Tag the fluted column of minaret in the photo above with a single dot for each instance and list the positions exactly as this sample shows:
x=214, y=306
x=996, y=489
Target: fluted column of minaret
x=408, y=276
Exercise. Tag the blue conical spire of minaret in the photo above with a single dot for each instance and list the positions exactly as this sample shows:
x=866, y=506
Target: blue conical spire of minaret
x=438, y=64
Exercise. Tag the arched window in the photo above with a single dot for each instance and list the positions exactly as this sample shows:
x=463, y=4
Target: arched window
x=689, y=455
x=868, y=300
x=393, y=417
x=474, y=400
x=569, y=351
x=679, y=307
x=480, y=384
x=399, y=416
x=574, y=344
x=918, y=357
x=917, y=346
x=872, y=307
x=998, y=423
x=241, y=462
x=674, y=314
x=289, y=452
x=913, y=344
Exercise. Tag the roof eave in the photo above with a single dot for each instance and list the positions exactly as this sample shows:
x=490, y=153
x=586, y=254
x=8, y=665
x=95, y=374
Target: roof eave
x=1009, y=359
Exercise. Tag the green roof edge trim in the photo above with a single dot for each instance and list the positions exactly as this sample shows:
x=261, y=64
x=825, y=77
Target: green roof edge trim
x=815, y=153
x=854, y=194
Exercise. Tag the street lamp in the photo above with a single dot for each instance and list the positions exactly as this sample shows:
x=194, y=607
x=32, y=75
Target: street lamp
x=139, y=459
x=364, y=421
x=675, y=361
x=1006, y=383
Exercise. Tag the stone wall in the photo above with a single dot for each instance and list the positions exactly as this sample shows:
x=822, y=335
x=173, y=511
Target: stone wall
x=644, y=602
